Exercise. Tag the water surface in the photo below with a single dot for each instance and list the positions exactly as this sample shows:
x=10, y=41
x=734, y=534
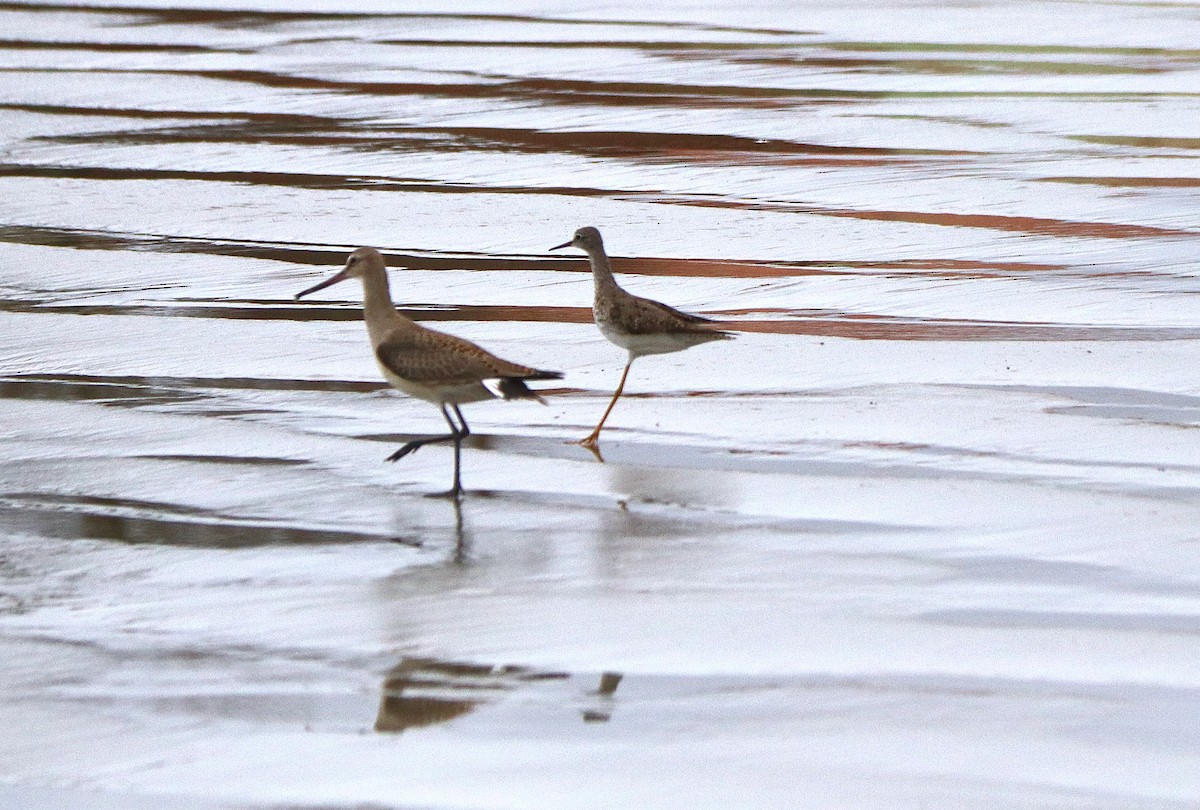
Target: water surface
x=922, y=535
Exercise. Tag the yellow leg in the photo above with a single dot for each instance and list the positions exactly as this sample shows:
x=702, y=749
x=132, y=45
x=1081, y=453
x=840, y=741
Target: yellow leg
x=594, y=436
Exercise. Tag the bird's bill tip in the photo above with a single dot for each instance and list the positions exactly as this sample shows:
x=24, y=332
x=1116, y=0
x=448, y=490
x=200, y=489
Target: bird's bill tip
x=329, y=282
x=563, y=245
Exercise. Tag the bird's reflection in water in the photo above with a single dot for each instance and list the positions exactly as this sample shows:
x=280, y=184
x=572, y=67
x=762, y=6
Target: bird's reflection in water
x=421, y=692
x=460, y=537
x=609, y=681
x=412, y=693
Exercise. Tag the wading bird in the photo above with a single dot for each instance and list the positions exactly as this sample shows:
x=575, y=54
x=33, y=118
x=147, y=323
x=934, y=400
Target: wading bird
x=439, y=368
x=638, y=325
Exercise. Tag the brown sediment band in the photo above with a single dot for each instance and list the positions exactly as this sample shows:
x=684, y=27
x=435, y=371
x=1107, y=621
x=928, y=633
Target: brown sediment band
x=1127, y=182
x=1036, y=225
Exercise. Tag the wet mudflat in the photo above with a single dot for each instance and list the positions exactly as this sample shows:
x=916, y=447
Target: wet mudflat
x=924, y=535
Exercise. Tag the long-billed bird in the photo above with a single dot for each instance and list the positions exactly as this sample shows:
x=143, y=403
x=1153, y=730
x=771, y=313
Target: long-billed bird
x=638, y=325
x=423, y=363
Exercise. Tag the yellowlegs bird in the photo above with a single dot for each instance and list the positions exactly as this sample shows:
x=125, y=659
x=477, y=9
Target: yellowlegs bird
x=638, y=325
x=439, y=368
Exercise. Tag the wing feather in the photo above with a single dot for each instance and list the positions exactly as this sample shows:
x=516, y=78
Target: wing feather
x=424, y=356
x=647, y=316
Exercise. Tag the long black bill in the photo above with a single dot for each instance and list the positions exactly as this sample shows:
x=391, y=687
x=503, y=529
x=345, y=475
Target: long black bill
x=329, y=282
x=560, y=247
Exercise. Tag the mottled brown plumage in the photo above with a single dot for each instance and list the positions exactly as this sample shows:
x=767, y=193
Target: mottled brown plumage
x=439, y=368
x=638, y=325
x=424, y=357
x=632, y=316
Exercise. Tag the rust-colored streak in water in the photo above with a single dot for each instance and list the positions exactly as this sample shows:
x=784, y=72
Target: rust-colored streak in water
x=1043, y=226
x=702, y=268
x=662, y=47
x=956, y=67
x=858, y=326
x=939, y=268
x=1128, y=182
x=1036, y=225
x=1009, y=48
x=330, y=255
x=92, y=386
x=1141, y=142
x=631, y=145
x=868, y=327
x=102, y=47
x=538, y=90
x=245, y=18
x=294, y=119
x=322, y=181
x=504, y=312
x=976, y=269
x=641, y=266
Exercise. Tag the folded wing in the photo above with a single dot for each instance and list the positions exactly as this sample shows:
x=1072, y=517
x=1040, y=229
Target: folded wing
x=435, y=358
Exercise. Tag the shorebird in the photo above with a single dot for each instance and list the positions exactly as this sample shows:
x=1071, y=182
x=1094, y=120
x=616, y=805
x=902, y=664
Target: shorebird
x=439, y=368
x=638, y=325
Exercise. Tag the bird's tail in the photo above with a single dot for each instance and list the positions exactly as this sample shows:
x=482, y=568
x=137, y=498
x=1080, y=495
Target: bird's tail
x=515, y=387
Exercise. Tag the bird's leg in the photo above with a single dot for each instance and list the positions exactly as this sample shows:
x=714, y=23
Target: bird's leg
x=594, y=436
x=460, y=433
x=464, y=431
x=417, y=444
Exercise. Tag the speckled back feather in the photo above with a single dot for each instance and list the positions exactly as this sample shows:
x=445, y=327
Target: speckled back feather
x=635, y=315
x=415, y=353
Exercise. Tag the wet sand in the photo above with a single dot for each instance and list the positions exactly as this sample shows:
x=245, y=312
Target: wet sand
x=923, y=535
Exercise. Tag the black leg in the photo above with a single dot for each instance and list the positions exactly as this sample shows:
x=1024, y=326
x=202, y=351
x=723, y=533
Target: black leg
x=417, y=444
x=465, y=431
x=460, y=432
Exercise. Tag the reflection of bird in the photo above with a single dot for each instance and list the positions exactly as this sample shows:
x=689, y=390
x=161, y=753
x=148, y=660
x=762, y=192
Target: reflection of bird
x=439, y=368
x=609, y=681
x=638, y=325
x=399, y=711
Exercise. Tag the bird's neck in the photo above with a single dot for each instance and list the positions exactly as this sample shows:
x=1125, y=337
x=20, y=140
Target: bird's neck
x=601, y=270
x=378, y=310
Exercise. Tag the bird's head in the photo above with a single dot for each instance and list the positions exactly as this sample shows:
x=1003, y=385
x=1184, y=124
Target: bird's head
x=358, y=264
x=586, y=239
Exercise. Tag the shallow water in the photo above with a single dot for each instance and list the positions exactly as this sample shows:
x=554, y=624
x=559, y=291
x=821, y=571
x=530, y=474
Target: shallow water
x=924, y=534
